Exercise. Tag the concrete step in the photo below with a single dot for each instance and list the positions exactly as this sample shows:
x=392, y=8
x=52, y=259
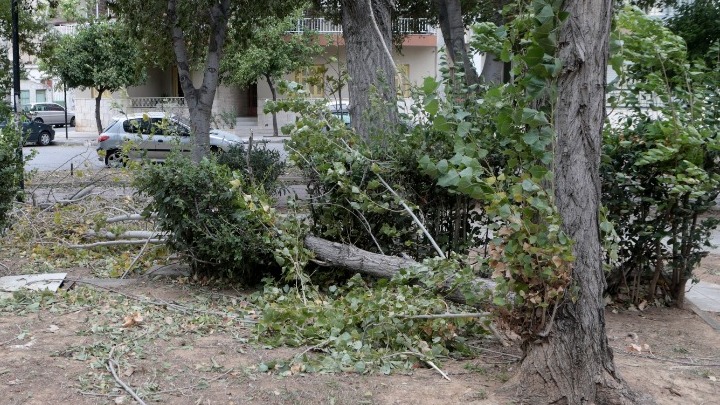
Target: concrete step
x=246, y=121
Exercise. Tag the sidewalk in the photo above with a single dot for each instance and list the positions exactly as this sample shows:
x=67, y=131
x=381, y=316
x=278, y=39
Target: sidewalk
x=705, y=295
x=74, y=138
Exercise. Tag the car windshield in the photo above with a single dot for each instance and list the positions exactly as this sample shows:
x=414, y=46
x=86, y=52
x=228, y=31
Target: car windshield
x=183, y=120
x=113, y=122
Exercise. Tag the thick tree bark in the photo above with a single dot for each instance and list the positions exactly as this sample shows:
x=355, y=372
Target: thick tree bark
x=370, y=64
x=200, y=100
x=381, y=266
x=574, y=364
x=453, y=31
x=98, y=122
x=274, y=97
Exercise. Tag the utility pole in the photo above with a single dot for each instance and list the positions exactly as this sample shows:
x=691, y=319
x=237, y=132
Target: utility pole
x=16, y=87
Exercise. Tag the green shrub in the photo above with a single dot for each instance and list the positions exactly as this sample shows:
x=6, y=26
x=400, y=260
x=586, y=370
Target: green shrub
x=349, y=203
x=265, y=165
x=660, y=161
x=207, y=217
x=11, y=169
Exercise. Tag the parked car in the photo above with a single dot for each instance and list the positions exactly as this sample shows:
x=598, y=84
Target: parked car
x=35, y=132
x=154, y=136
x=340, y=110
x=50, y=113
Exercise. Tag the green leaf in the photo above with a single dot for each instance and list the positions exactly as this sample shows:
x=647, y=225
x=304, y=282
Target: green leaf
x=430, y=85
x=451, y=178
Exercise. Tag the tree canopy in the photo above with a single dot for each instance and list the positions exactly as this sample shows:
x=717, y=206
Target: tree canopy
x=99, y=56
x=270, y=53
x=697, y=23
x=193, y=36
x=32, y=29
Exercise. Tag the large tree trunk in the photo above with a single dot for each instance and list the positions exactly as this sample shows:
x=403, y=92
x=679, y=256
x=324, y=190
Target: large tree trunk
x=200, y=100
x=574, y=364
x=98, y=122
x=370, y=64
x=453, y=32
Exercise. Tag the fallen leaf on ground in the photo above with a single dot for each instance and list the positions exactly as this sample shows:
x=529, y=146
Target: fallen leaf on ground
x=634, y=348
x=132, y=320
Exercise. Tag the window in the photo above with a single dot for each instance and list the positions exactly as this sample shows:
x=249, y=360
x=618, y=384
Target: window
x=402, y=80
x=40, y=95
x=24, y=97
x=313, y=79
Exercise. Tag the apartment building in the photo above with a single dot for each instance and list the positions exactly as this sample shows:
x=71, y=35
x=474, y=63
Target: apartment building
x=243, y=108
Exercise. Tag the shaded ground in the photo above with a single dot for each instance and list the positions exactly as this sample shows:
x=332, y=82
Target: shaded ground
x=191, y=347
x=179, y=342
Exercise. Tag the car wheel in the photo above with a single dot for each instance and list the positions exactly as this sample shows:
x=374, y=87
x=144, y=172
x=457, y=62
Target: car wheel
x=72, y=121
x=114, y=159
x=38, y=120
x=43, y=138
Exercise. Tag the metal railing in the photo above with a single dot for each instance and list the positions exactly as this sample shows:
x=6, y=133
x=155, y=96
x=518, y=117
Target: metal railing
x=402, y=25
x=157, y=102
x=68, y=29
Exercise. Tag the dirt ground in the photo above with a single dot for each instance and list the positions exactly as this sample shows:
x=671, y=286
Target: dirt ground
x=186, y=344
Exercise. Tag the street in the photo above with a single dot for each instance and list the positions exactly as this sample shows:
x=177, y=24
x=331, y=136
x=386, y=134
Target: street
x=58, y=156
x=79, y=150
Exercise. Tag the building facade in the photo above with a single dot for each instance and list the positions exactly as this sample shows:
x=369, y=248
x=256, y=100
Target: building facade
x=241, y=109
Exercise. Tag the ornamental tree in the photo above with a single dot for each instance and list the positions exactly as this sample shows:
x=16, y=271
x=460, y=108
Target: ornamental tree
x=100, y=56
x=270, y=53
x=192, y=35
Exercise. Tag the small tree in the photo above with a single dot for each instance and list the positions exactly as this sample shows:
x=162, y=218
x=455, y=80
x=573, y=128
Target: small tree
x=270, y=53
x=99, y=56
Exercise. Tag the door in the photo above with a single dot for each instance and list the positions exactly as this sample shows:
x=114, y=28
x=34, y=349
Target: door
x=55, y=114
x=169, y=135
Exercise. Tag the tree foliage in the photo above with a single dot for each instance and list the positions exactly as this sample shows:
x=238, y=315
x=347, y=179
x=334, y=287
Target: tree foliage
x=32, y=31
x=100, y=56
x=192, y=35
x=660, y=171
x=269, y=52
x=697, y=23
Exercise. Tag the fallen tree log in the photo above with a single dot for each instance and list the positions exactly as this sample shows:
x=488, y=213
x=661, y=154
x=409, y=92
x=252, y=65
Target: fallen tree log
x=361, y=261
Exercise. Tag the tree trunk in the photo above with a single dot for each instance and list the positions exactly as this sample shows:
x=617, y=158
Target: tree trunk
x=274, y=97
x=370, y=64
x=381, y=266
x=98, y=122
x=200, y=100
x=574, y=364
x=453, y=32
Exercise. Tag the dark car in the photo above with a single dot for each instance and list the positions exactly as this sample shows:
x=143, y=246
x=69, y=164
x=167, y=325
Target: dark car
x=35, y=132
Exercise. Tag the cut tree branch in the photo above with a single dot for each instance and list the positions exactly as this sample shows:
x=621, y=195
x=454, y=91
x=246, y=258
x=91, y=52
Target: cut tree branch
x=377, y=265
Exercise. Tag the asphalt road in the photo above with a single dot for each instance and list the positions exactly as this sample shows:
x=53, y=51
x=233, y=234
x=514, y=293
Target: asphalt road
x=60, y=157
x=79, y=151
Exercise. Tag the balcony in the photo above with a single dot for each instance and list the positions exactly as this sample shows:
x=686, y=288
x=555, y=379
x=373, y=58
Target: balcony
x=419, y=26
x=66, y=29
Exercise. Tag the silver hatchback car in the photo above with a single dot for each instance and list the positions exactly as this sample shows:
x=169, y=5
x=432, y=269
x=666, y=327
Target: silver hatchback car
x=154, y=136
x=49, y=113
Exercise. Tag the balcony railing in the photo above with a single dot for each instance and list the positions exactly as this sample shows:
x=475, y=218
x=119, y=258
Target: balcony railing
x=402, y=25
x=157, y=102
x=68, y=29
